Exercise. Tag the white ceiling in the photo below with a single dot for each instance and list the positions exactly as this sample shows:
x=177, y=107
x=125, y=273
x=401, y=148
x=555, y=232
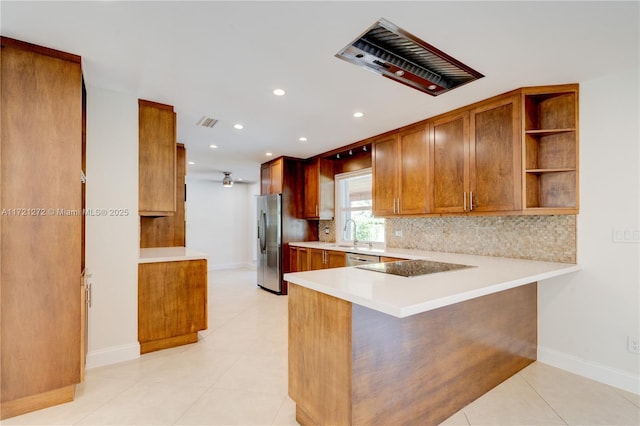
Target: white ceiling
x=223, y=59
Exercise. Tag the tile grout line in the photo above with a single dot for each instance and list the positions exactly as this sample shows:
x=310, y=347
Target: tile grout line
x=545, y=401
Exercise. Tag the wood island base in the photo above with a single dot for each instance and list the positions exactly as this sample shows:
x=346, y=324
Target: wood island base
x=351, y=365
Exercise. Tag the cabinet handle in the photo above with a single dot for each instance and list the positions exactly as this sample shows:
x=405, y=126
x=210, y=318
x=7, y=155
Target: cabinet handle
x=464, y=202
x=394, y=205
x=471, y=201
x=317, y=211
x=398, y=205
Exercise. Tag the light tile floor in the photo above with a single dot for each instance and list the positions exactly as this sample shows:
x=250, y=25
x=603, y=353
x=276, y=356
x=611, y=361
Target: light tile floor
x=237, y=375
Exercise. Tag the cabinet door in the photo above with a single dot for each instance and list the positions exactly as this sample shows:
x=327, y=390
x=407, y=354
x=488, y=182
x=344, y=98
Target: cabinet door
x=385, y=176
x=41, y=115
x=172, y=302
x=414, y=167
x=157, y=159
x=293, y=259
x=319, y=189
x=303, y=259
x=336, y=259
x=276, y=177
x=449, y=160
x=495, y=157
x=311, y=190
x=316, y=259
x=265, y=179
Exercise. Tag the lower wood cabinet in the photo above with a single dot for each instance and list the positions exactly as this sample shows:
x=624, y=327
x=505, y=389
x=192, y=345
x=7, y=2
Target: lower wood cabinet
x=325, y=259
x=172, y=303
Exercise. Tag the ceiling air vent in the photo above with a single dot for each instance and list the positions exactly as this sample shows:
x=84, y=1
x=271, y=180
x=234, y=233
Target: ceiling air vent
x=396, y=54
x=206, y=121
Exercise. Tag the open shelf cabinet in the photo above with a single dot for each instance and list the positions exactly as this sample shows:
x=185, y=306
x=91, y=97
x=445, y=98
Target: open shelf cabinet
x=550, y=136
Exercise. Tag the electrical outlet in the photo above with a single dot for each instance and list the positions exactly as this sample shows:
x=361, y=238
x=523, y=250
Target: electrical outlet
x=399, y=233
x=633, y=345
x=326, y=230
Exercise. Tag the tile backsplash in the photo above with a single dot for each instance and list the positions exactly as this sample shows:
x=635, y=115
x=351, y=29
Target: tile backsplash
x=546, y=238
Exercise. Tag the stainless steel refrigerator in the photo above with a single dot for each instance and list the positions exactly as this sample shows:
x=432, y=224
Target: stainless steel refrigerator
x=270, y=242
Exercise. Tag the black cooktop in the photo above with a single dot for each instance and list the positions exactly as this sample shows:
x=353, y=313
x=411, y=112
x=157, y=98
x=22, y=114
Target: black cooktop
x=413, y=268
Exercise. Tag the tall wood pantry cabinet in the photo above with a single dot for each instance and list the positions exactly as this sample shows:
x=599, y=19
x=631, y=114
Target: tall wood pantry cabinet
x=41, y=227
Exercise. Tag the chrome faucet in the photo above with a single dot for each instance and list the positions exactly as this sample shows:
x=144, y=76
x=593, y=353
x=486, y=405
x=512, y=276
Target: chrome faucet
x=355, y=231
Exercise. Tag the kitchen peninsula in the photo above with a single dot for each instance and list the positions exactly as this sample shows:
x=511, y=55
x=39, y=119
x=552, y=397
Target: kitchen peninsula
x=373, y=348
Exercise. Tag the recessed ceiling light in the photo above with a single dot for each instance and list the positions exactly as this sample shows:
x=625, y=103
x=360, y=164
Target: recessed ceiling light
x=191, y=162
x=269, y=154
x=358, y=114
x=302, y=139
x=213, y=146
x=238, y=126
x=279, y=92
x=239, y=179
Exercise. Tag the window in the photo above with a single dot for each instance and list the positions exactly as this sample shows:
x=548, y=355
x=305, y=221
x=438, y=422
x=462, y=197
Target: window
x=354, y=201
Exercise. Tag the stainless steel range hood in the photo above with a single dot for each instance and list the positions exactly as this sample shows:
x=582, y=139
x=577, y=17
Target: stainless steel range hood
x=388, y=50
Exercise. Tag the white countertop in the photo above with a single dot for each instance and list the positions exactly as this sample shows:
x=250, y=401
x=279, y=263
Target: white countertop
x=169, y=254
x=402, y=297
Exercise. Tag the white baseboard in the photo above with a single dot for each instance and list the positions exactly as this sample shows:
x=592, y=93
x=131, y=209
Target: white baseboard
x=601, y=373
x=112, y=355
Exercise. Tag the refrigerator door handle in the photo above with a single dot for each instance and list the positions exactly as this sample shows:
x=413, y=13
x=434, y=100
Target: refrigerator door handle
x=262, y=229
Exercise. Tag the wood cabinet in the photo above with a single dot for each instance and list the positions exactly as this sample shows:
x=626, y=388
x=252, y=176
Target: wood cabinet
x=400, y=173
x=550, y=133
x=476, y=158
x=157, y=159
x=271, y=177
x=293, y=259
x=385, y=259
x=168, y=231
x=325, y=259
x=41, y=226
x=302, y=261
x=495, y=156
x=172, y=303
x=319, y=189
x=449, y=142
x=310, y=259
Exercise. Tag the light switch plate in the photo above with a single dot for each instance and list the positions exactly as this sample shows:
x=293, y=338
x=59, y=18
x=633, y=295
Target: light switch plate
x=626, y=235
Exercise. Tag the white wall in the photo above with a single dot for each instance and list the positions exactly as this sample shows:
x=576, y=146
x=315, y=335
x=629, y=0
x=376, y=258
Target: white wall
x=585, y=318
x=112, y=242
x=220, y=222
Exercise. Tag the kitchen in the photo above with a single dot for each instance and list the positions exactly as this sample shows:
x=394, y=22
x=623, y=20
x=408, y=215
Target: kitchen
x=585, y=317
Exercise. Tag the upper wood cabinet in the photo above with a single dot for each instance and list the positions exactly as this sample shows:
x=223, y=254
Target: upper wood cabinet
x=551, y=149
x=271, y=177
x=168, y=231
x=400, y=173
x=318, y=189
x=495, y=156
x=41, y=239
x=157, y=159
x=476, y=158
x=449, y=162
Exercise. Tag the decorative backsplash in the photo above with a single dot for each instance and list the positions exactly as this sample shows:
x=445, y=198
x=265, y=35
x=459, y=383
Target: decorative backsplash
x=322, y=235
x=546, y=238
